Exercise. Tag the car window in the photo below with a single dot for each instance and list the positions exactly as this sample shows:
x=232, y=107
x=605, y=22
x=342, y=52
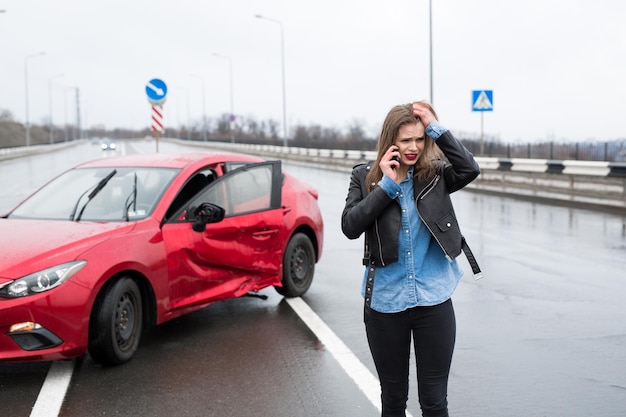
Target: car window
x=193, y=186
x=246, y=190
x=231, y=166
x=129, y=194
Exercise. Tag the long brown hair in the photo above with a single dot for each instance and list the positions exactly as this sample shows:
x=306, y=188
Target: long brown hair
x=397, y=117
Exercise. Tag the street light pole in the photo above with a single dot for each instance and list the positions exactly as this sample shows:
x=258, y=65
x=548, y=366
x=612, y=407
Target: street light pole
x=78, y=132
x=430, y=26
x=27, y=124
x=231, y=119
x=51, y=126
x=282, y=53
x=188, y=118
x=204, y=127
x=65, y=110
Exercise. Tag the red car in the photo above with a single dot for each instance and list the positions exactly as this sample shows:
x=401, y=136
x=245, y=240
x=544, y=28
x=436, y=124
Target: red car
x=117, y=244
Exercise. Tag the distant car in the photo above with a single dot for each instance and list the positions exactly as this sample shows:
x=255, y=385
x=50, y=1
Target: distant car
x=117, y=244
x=108, y=146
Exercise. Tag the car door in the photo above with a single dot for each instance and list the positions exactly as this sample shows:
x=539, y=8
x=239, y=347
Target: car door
x=240, y=253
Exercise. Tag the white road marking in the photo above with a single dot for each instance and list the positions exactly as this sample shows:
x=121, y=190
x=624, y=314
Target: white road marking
x=53, y=391
x=359, y=373
x=52, y=394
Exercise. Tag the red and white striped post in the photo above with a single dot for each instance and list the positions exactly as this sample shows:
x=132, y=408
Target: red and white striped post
x=157, y=123
x=156, y=90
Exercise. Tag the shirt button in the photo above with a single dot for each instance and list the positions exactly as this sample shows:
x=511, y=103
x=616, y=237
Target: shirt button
x=408, y=253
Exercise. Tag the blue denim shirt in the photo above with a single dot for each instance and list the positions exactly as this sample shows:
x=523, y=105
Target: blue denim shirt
x=422, y=276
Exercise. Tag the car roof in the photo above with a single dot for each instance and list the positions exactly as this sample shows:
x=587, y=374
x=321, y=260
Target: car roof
x=168, y=160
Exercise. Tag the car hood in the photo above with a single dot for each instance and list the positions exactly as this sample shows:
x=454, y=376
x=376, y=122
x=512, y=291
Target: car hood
x=27, y=246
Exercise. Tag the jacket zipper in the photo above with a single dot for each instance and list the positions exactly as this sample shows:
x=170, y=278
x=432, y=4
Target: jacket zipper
x=423, y=194
x=429, y=187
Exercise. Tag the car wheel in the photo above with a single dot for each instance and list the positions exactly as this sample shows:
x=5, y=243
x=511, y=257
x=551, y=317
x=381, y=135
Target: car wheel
x=298, y=266
x=116, y=323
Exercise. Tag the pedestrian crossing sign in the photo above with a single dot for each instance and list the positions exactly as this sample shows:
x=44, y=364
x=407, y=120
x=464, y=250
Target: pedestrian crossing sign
x=482, y=100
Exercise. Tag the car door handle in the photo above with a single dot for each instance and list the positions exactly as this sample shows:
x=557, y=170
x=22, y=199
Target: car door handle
x=264, y=234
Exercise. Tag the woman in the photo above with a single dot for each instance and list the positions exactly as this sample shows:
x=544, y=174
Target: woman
x=402, y=204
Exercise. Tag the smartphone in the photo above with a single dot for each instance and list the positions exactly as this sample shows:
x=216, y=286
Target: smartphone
x=395, y=158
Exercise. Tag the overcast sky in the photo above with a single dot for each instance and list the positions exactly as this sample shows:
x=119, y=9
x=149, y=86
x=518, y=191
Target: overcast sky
x=557, y=68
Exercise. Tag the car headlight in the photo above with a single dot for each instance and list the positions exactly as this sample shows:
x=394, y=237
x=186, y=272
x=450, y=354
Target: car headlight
x=41, y=281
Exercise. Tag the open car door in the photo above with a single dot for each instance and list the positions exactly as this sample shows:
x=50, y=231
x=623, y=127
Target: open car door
x=230, y=256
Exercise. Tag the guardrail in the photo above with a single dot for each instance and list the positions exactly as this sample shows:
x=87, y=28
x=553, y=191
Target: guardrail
x=589, y=184
x=19, y=151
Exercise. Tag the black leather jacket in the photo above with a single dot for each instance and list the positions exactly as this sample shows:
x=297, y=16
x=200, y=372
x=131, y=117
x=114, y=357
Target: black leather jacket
x=380, y=217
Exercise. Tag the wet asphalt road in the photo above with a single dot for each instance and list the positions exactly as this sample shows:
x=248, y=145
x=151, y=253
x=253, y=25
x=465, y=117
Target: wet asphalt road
x=543, y=334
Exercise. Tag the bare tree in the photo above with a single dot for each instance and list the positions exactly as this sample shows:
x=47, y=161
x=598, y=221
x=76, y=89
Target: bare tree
x=6, y=116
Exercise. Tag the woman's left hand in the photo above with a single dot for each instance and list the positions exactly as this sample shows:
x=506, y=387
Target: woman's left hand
x=422, y=111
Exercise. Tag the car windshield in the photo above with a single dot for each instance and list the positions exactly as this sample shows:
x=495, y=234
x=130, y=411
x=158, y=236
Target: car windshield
x=98, y=194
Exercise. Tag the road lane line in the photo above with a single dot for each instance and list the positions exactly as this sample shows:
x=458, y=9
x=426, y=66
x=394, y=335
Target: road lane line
x=54, y=388
x=52, y=394
x=359, y=373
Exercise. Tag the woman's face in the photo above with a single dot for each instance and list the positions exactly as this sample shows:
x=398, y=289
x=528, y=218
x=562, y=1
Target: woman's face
x=410, y=141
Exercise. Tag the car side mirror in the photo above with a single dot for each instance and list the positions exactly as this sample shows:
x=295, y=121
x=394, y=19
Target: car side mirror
x=204, y=214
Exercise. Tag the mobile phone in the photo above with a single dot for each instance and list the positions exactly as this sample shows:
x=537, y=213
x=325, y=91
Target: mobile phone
x=395, y=158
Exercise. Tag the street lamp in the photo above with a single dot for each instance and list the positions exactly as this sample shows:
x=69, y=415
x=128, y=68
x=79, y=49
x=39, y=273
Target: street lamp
x=231, y=119
x=27, y=124
x=50, y=104
x=282, y=50
x=188, y=118
x=430, y=26
x=204, y=127
x=65, y=110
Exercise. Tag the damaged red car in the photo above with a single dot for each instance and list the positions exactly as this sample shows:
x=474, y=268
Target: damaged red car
x=117, y=244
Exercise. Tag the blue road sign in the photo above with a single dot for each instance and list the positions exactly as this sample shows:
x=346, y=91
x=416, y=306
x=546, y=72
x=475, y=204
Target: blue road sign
x=482, y=100
x=156, y=91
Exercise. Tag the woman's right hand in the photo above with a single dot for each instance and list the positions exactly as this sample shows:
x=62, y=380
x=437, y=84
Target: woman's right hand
x=389, y=166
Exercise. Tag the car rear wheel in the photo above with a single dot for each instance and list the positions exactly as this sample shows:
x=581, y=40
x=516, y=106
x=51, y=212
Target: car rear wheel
x=116, y=323
x=298, y=266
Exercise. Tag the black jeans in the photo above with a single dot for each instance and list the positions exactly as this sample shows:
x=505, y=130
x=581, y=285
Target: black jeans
x=389, y=337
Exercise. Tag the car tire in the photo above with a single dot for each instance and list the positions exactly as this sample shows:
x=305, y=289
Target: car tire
x=298, y=266
x=116, y=323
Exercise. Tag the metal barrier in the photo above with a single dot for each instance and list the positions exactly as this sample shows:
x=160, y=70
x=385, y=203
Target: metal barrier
x=17, y=152
x=592, y=184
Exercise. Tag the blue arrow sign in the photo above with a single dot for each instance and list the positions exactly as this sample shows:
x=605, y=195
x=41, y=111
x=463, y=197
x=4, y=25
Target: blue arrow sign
x=156, y=91
x=482, y=100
